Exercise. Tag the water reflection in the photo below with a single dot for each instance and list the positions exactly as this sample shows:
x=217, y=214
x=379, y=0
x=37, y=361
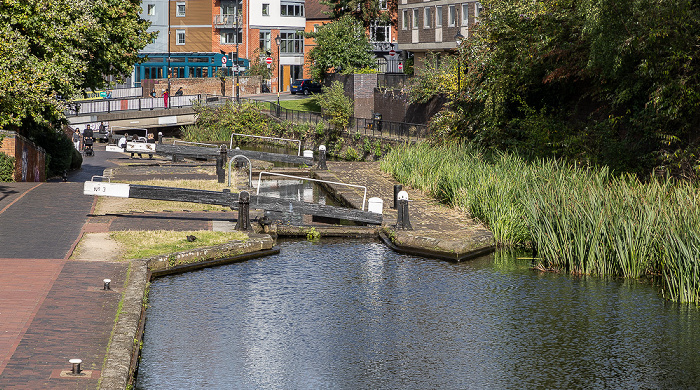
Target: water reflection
x=356, y=315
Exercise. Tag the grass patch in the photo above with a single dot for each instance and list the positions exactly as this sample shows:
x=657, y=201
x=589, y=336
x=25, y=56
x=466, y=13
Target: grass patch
x=308, y=104
x=140, y=244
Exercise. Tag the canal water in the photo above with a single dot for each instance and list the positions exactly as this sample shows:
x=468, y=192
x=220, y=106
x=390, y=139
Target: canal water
x=355, y=315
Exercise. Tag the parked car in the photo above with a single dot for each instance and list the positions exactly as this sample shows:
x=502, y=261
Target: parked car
x=305, y=86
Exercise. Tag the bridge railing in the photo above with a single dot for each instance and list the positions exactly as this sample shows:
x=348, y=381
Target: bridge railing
x=76, y=108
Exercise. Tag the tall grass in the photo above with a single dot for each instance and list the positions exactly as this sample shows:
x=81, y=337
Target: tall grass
x=579, y=220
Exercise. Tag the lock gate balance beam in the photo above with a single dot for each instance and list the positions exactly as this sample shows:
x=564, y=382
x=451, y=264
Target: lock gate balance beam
x=227, y=198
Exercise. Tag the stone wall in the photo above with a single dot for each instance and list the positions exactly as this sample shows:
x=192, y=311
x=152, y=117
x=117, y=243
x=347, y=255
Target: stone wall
x=30, y=160
x=203, y=85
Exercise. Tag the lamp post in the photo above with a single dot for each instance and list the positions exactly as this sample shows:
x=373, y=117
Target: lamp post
x=278, y=41
x=458, y=40
x=238, y=99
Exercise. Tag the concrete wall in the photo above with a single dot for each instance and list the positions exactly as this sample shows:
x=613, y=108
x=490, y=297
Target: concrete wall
x=395, y=107
x=30, y=160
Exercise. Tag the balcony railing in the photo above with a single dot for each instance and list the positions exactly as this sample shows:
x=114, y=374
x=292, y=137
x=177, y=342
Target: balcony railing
x=383, y=46
x=226, y=21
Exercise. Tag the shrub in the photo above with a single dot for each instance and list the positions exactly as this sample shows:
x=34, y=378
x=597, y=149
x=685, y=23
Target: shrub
x=7, y=168
x=336, y=105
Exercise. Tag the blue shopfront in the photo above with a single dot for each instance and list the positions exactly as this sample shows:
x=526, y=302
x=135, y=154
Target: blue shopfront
x=184, y=65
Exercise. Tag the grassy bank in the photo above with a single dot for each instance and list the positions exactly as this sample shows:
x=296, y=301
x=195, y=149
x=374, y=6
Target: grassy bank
x=578, y=220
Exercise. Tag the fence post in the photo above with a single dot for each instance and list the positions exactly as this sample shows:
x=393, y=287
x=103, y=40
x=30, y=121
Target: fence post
x=243, y=222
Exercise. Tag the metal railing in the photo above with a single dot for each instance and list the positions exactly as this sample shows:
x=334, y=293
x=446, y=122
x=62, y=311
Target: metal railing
x=364, y=198
x=392, y=81
x=262, y=137
x=76, y=108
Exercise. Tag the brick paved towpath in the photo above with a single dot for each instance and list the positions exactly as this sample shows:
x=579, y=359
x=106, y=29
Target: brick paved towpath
x=52, y=309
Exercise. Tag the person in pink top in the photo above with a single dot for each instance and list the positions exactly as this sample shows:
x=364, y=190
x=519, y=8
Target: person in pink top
x=165, y=98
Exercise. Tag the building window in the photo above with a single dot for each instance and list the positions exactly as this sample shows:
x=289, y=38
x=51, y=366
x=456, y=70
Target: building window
x=152, y=9
x=404, y=22
x=379, y=32
x=229, y=36
x=266, y=10
x=291, y=43
x=465, y=14
x=477, y=10
x=292, y=9
x=451, y=16
x=265, y=41
x=179, y=37
x=383, y=4
x=427, y=17
x=180, y=9
x=415, y=18
x=438, y=16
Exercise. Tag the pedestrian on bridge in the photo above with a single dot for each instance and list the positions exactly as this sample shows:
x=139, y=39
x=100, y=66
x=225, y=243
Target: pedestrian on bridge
x=165, y=98
x=76, y=139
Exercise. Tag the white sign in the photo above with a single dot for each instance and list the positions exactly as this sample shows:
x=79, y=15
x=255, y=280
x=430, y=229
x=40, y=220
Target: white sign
x=98, y=188
x=140, y=147
x=224, y=61
x=114, y=148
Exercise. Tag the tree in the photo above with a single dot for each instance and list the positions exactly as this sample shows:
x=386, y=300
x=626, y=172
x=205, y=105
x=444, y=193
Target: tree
x=53, y=49
x=366, y=11
x=342, y=45
x=605, y=81
x=336, y=105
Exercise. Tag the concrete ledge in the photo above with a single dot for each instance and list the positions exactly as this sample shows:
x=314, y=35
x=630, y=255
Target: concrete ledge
x=406, y=242
x=326, y=231
x=161, y=264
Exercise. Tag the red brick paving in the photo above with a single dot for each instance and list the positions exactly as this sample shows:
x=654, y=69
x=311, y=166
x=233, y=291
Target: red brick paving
x=75, y=320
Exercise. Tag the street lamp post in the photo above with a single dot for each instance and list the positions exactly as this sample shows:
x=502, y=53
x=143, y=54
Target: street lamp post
x=458, y=40
x=278, y=41
x=238, y=99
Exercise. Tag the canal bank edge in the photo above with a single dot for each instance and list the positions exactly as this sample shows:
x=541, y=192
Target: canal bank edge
x=125, y=341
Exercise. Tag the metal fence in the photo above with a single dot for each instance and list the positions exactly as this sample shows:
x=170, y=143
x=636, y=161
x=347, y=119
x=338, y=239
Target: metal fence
x=364, y=126
x=128, y=104
x=392, y=81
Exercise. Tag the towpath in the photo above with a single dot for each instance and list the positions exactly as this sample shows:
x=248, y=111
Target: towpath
x=52, y=309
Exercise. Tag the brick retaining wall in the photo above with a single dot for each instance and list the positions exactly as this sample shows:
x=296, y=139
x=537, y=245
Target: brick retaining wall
x=30, y=160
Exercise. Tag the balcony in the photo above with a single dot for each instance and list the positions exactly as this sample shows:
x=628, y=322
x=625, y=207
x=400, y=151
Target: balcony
x=382, y=46
x=226, y=21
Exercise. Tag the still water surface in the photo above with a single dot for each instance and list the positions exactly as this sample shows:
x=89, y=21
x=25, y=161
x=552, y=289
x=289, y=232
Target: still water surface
x=355, y=315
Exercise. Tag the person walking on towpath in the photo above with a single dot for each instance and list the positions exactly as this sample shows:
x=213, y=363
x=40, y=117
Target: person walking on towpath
x=179, y=92
x=165, y=98
x=76, y=139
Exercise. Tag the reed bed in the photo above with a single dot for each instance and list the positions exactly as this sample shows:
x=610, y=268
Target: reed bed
x=578, y=220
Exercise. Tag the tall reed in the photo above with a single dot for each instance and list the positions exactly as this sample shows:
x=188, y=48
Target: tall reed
x=579, y=220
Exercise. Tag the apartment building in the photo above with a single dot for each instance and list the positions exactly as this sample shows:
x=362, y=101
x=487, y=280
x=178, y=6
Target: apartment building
x=195, y=36
x=431, y=25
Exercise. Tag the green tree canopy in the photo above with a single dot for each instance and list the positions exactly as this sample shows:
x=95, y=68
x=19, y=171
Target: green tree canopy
x=343, y=45
x=55, y=48
x=607, y=81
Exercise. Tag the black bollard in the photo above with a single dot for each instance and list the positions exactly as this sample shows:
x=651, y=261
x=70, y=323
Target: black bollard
x=220, y=162
x=322, y=158
x=397, y=189
x=160, y=137
x=243, y=223
x=402, y=221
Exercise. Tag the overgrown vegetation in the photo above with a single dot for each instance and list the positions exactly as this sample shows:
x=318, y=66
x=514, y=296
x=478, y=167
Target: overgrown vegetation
x=601, y=82
x=7, y=167
x=577, y=220
x=335, y=105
